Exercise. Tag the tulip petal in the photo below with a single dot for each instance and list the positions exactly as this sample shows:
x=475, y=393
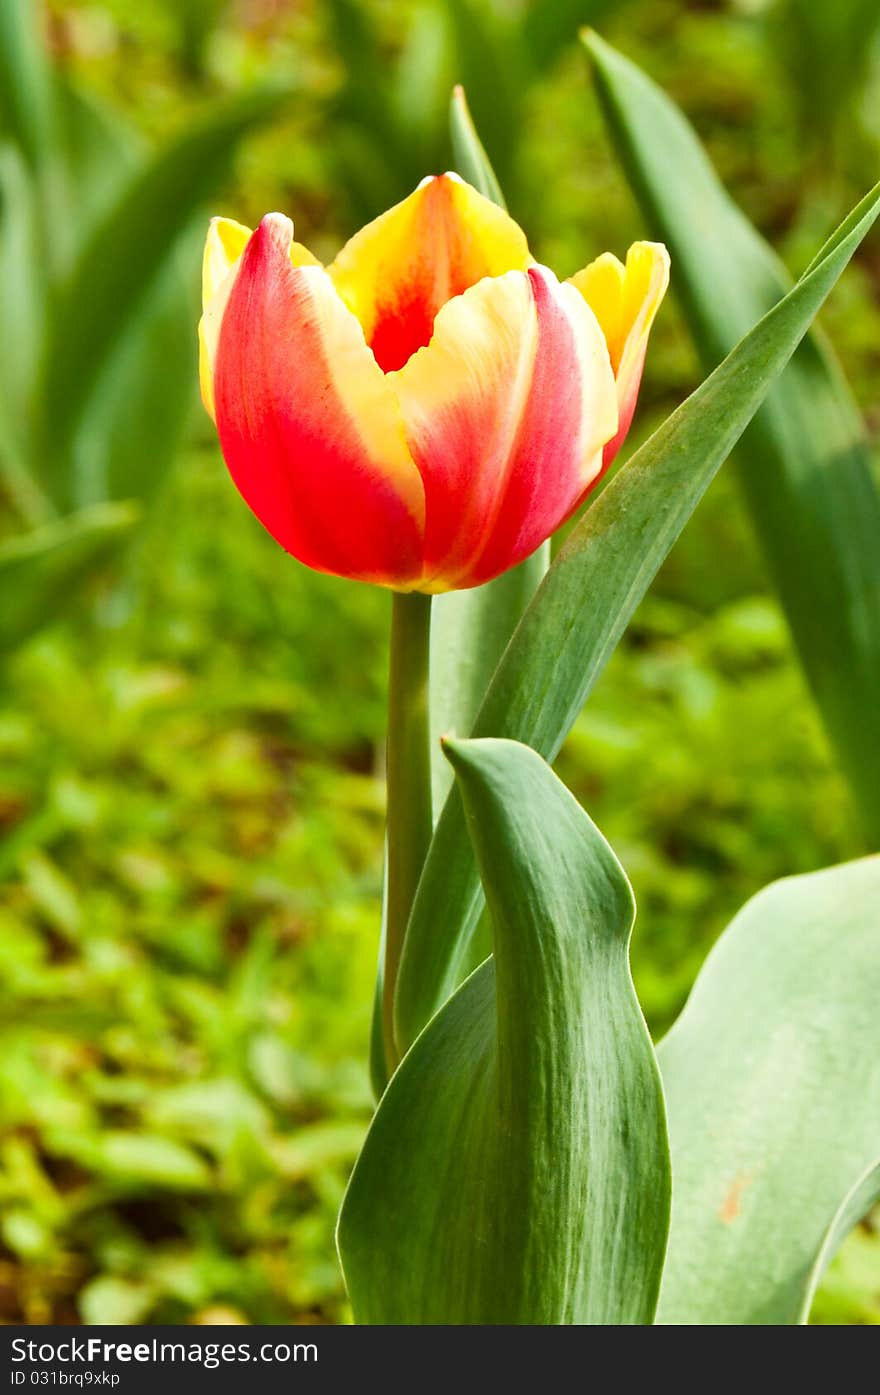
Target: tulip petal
x=625, y=300
x=308, y=423
x=224, y=246
x=506, y=414
x=398, y=271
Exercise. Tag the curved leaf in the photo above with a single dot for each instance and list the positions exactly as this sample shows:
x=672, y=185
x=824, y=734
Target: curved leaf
x=142, y=398
x=41, y=572
x=25, y=81
x=517, y=1167
x=804, y=462
x=772, y=1079
x=584, y=603
x=470, y=156
x=119, y=267
x=852, y=1209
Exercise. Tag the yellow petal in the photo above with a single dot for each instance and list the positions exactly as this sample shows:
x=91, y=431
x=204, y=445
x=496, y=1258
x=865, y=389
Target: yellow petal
x=397, y=272
x=625, y=299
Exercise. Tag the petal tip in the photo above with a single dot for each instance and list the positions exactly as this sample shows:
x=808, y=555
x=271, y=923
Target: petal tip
x=279, y=228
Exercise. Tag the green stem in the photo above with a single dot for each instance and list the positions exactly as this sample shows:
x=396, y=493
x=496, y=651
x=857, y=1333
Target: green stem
x=409, y=784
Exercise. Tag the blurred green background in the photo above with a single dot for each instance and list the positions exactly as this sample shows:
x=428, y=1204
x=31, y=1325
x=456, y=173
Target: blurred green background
x=191, y=752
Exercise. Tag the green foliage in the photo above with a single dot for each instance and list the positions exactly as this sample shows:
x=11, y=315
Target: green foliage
x=564, y=1170
x=560, y=646
x=98, y=307
x=25, y=96
x=834, y=42
x=188, y=900
x=805, y=462
x=42, y=571
x=772, y=1082
x=100, y=387
x=194, y=772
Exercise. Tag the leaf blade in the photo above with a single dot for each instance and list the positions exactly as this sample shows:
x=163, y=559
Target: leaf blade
x=106, y=291
x=561, y=646
x=772, y=1078
x=804, y=462
x=537, y=1084
x=41, y=571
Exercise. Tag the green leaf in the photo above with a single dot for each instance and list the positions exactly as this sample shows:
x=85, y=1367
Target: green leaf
x=804, y=462
x=120, y=266
x=827, y=49
x=134, y=1160
x=109, y=1300
x=470, y=157
x=145, y=393
x=582, y=607
x=25, y=83
x=548, y=29
x=44, y=571
x=469, y=633
x=490, y=65
x=22, y=288
x=376, y=160
x=772, y=1079
x=517, y=1168
x=98, y=153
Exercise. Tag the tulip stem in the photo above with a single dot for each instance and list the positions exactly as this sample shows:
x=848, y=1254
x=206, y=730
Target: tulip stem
x=408, y=764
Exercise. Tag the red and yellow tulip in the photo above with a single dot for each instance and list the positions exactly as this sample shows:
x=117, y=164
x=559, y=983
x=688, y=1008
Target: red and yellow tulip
x=429, y=408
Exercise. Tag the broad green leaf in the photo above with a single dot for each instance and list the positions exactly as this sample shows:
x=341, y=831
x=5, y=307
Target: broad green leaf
x=804, y=462
x=25, y=82
x=517, y=1168
x=582, y=607
x=119, y=268
x=772, y=1079
x=43, y=572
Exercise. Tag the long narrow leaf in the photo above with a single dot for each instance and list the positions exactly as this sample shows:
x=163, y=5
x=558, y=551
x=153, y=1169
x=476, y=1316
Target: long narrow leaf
x=25, y=81
x=119, y=267
x=43, y=571
x=584, y=603
x=471, y=160
x=804, y=462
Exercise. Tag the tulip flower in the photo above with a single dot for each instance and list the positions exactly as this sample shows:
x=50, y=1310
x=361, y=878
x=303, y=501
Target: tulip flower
x=427, y=410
